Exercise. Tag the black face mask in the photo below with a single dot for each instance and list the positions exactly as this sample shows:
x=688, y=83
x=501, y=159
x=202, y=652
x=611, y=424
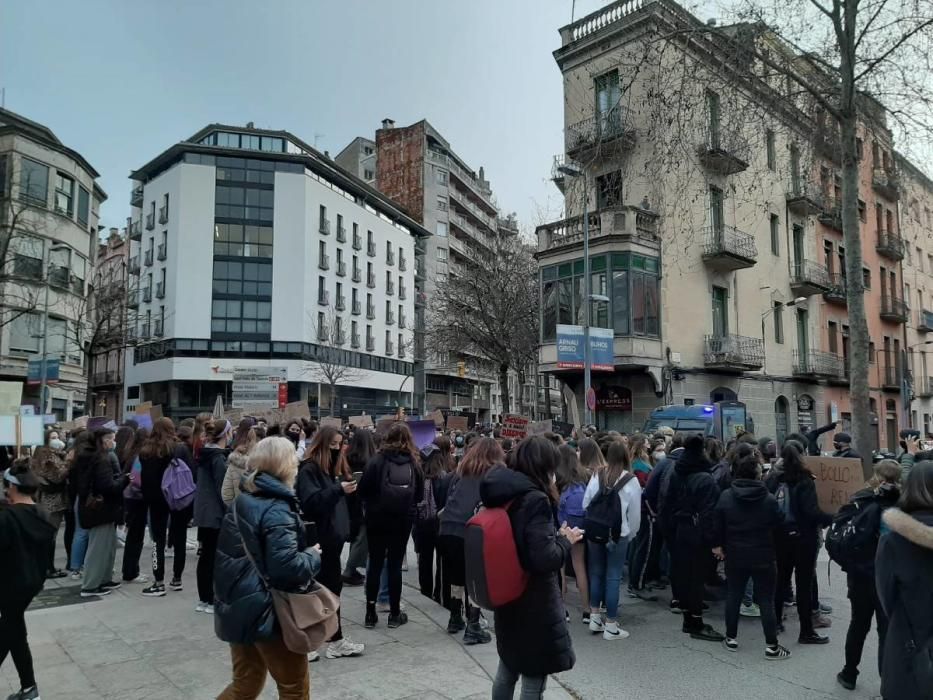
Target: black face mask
x=294, y=437
x=334, y=456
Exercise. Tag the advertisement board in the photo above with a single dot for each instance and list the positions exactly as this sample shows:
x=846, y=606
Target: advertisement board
x=258, y=387
x=570, y=353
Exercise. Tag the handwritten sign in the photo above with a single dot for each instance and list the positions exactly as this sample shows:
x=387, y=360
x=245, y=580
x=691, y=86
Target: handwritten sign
x=11, y=394
x=361, y=421
x=461, y=423
x=515, y=427
x=539, y=428
x=296, y=410
x=331, y=422
x=837, y=478
x=438, y=418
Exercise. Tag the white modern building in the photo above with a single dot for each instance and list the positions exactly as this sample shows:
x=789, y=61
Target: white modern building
x=252, y=249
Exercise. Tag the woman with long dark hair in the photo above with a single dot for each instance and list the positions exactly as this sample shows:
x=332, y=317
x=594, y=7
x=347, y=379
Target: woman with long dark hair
x=531, y=633
x=361, y=449
x=324, y=483
x=425, y=533
x=134, y=505
x=209, y=506
x=462, y=499
x=797, y=541
x=391, y=485
x=572, y=479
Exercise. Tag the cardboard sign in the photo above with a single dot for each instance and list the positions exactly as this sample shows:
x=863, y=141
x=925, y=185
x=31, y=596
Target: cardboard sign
x=296, y=410
x=361, y=421
x=155, y=412
x=539, y=428
x=331, y=422
x=383, y=425
x=143, y=407
x=11, y=396
x=565, y=430
x=515, y=427
x=460, y=423
x=438, y=417
x=422, y=432
x=837, y=478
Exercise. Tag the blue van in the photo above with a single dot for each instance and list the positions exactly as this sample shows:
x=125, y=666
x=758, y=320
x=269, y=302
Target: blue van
x=723, y=419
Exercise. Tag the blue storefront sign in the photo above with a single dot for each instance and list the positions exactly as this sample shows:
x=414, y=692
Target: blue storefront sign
x=570, y=348
x=34, y=371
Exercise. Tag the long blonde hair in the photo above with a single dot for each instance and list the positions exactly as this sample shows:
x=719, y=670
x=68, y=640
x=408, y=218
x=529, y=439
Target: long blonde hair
x=274, y=456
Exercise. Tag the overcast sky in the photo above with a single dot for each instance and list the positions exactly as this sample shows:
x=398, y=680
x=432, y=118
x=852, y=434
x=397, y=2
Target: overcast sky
x=121, y=81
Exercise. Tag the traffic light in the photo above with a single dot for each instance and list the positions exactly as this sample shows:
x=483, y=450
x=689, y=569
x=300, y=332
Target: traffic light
x=461, y=369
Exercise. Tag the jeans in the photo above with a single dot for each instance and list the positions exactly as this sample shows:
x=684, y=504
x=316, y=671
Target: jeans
x=78, y=543
x=383, y=596
x=796, y=554
x=13, y=641
x=764, y=585
x=207, y=536
x=749, y=595
x=864, y=598
x=177, y=538
x=251, y=662
x=503, y=687
x=604, y=567
x=330, y=576
x=135, y=515
x=387, y=543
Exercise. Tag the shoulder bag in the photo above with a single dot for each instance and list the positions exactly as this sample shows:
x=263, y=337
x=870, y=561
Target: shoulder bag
x=307, y=620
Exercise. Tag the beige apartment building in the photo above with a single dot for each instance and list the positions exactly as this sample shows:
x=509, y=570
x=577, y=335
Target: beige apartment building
x=712, y=202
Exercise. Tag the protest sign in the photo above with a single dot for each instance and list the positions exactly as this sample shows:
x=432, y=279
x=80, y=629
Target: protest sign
x=422, y=432
x=331, y=422
x=438, y=417
x=540, y=427
x=515, y=427
x=837, y=478
x=458, y=423
x=565, y=430
x=155, y=412
x=11, y=396
x=296, y=410
x=361, y=421
x=143, y=407
x=384, y=423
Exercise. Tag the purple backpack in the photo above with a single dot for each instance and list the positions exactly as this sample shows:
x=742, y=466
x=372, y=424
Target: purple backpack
x=178, y=485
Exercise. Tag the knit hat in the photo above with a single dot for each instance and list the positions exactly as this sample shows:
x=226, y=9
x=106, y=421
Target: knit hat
x=843, y=438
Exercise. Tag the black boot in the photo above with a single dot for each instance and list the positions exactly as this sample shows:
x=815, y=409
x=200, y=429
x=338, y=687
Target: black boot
x=371, y=619
x=456, y=623
x=475, y=634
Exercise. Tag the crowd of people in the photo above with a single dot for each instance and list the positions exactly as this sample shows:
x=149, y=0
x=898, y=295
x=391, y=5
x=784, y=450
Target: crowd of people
x=280, y=509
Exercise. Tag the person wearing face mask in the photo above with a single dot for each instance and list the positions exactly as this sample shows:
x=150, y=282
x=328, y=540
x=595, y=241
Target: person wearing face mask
x=49, y=466
x=295, y=433
x=209, y=506
x=324, y=486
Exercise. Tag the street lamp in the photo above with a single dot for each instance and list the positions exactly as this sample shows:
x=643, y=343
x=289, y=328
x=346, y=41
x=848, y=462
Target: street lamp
x=767, y=312
x=43, y=384
x=570, y=171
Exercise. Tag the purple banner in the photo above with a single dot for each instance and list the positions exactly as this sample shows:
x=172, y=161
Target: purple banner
x=422, y=431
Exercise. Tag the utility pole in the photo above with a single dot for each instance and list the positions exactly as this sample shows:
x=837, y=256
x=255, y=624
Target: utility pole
x=43, y=383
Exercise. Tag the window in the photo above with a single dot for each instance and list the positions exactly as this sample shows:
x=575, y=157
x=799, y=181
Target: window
x=442, y=254
x=235, y=202
x=27, y=260
x=441, y=229
x=769, y=146
x=243, y=240
x=713, y=115
x=241, y=316
x=64, y=194
x=866, y=278
x=862, y=211
x=609, y=190
x=440, y=176
x=859, y=148
x=324, y=223
x=871, y=353
x=321, y=290
x=778, y=322
x=929, y=264
x=242, y=278
x=84, y=199
x=34, y=182
x=829, y=256
x=833, y=333
x=775, y=235
x=720, y=300
x=608, y=95
x=388, y=342
x=368, y=174
x=717, y=220
x=388, y=311
x=442, y=204
x=25, y=331
x=322, y=254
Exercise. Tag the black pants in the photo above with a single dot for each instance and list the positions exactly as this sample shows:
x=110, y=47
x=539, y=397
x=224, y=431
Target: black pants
x=208, y=538
x=330, y=576
x=174, y=524
x=13, y=641
x=796, y=554
x=387, y=544
x=688, y=573
x=135, y=514
x=864, y=598
x=763, y=581
x=69, y=533
x=425, y=536
x=645, y=554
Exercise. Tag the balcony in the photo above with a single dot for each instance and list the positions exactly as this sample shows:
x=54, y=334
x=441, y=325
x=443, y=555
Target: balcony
x=733, y=353
x=355, y=340
x=109, y=378
x=162, y=252
x=356, y=308
x=808, y=278
x=831, y=215
x=357, y=275
x=147, y=295
x=725, y=153
x=804, y=198
x=371, y=281
x=341, y=268
x=160, y=290
x=390, y=317
x=894, y=309
x=133, y=265
x=476, y=214
x=144, y=331
x=357, y=242
x=726, y=248
x=341, y=234
x=370, y=345
x=886, y=183
x=390, y=258
x=924, y=321
x=390, y=287
x=923, y=388
x=623, y=223
x=136, y=197
x=324, y=227
x=390, y=347
x=371, y=313
x=890, y=245
x=324, y=262
x=816, y=363
x=402, y=263
x=132, y=300
x=608, y=133
x=402, y=294
x=341, y=338
x=163, y=214
x=158, y=331
x=341, y=304
x=322, y=334
x=136, y=231
x=150, y=221
x=323, y=298
x=478, y=188
x=890, y=375
x=401, y=320
x=371, y=249
x=148, y=257
x=836, y=294
x=828, y=142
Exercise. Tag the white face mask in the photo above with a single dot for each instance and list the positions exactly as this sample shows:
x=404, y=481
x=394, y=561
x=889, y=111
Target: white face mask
x=56, y=444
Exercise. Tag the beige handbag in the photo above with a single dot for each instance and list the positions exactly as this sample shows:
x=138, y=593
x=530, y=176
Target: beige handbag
x=307, y=620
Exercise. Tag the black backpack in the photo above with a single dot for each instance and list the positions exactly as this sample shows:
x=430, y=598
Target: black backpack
x=398, y=488
x=603, y=519
x=852, y=539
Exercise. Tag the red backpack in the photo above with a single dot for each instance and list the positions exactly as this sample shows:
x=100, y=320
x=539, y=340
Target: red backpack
x=494, y=575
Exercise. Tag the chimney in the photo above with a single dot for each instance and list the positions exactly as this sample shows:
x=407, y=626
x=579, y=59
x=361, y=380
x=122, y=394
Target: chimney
x=250, y=125
x=711, y=22
x=388, y=123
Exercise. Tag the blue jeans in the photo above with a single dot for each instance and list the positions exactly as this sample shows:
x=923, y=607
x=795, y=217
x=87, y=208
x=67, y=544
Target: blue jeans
x=605, y=563
x=79, y=544
x=749, y=592
x=383, y=596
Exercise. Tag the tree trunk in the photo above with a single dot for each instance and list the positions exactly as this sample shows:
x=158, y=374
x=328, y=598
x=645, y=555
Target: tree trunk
x=504, y=388
x=333, y=398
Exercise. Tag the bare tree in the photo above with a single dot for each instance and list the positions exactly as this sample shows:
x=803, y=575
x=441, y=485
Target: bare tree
x=489, y=308
x=330, y=365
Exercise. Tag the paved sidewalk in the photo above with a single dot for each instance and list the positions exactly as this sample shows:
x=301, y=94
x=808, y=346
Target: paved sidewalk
x=129, y=647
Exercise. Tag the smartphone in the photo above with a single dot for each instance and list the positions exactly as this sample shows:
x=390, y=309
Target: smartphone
x=357, y=476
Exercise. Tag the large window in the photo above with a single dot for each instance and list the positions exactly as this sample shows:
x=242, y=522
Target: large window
x=34, y=182
x=246, y=170
x=27, y=260
x=242, y=278
x=243, y=240
x=231, y=316
x=84, y=199
x=244, y=203
x=24, y=333
x=64, y=194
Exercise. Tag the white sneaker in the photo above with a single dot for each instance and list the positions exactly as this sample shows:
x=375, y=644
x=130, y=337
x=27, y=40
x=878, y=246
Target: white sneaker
x=142, y=578
x=345, y=647
x=596, y=623
x=199, y=607
x=313, y=656
x=750, y=610
x=76, y=575
x=613, y=631
x=208, y=608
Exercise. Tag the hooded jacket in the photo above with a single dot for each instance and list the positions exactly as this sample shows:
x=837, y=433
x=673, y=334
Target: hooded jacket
x=531, y=633
x=803, y=502
x=209, y=506
x=658, y=476
x=271, y=528
x=236, y=469
x=903, y=572
x=691, y=497
x=370, y=487
x=96, y=477
x=26, y=541
x=462, y=501
x=745, y=518
x=152, y=469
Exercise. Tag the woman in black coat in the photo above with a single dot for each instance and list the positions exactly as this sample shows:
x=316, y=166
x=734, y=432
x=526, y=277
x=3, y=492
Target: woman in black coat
x=904, y=571
x=531, y=633
x=324, y=482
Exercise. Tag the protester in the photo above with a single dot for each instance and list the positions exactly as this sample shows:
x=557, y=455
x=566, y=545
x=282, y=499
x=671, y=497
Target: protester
x=76, y=540
x=197, y=433
x=572, y=480
x=361, y=449
x=605, y=561
x=462, y=500
x=135, y=512
x=209, y=507
x=532, y=638
x=843, y=444
x=27, y=539
x=797, y=540
x=745, y=518
x=244, y=439
x=48, y=466
x=425, y=533
x=390, y=487
x=881, y=493
x=262, y=547
x=640, y=453
x=904, y=570
x=324, y=483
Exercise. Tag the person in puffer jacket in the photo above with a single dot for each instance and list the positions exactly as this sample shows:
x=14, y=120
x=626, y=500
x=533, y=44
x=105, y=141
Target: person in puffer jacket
x=264, y=518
